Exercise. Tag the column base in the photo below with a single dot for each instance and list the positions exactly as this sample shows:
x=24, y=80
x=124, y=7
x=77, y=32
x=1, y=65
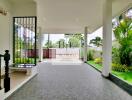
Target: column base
x=85, y=61
x=107, y=77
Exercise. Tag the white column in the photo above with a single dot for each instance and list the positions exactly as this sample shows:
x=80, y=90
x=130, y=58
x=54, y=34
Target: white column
x=85, y=44
x=107, y=37
x=40, y=44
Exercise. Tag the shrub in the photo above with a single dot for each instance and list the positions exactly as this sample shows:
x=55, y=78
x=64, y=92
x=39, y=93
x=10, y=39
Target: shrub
x=90, y=55
x=123, y=34
x=130, y=56
x=24, y=60
x=115, y=55
x=130, y=68
x=98, y=60
x=101, y=53
x=17, y=60
x=17, y=54
x=119, y=68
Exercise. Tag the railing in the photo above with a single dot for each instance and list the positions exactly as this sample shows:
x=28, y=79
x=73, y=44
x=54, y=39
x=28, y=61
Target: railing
x=6, y=77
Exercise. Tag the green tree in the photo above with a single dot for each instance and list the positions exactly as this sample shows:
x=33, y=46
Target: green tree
x=78, y=36
x=75, y=42
x=97, y=41
x=61, y=42
x=123, y=34
x=74, y=39
x=49, y=44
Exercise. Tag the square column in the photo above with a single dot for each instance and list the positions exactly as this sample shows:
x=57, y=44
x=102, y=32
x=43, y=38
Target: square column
x=85, y=44
x=107, y=37
x=40, y=44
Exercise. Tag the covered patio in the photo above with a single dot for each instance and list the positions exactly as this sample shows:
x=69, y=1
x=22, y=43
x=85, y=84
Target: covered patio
x=58, y=79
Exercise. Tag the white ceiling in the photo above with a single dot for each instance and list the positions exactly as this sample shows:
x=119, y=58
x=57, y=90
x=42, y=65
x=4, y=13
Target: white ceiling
x=69, y=15
x=21, y=1
x=64, y=16
x=73, y=15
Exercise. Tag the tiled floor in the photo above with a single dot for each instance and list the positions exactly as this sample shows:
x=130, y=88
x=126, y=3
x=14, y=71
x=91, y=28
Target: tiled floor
x=69, y=82
x=65, y=61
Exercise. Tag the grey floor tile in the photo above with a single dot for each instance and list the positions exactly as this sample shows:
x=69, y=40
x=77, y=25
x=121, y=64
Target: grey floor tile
x=69, y=82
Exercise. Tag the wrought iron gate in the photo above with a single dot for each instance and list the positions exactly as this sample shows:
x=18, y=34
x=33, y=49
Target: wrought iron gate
x=24, y=40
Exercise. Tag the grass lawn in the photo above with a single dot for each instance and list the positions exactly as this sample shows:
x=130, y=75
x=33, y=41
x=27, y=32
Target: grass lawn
x=97, y=66
x=126, y=76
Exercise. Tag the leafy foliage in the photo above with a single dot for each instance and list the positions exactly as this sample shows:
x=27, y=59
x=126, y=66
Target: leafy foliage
x=49, y=44
x=119, y=68
x=90, y=55
x=75, y=42
x=24, y=60
x=123, y=34
x=98, y=60
x=78, y=36
x=97, y=41
x=61, y=43
x=115, y=55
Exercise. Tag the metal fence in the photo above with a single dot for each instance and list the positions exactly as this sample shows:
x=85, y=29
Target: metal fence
x=24, y=40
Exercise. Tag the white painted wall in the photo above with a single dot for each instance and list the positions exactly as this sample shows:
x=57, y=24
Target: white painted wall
x=5, y=29
x=6, y=33
x=24, y=9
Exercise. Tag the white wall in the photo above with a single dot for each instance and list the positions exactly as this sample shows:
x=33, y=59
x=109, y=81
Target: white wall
x=5, y=29
x=6, y=33
x=24, y=9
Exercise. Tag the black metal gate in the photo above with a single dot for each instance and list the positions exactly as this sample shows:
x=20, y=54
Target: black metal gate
x=24, y=40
